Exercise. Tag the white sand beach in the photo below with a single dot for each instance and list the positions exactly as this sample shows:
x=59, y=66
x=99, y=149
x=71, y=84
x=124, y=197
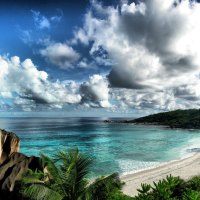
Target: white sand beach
x=184, y=168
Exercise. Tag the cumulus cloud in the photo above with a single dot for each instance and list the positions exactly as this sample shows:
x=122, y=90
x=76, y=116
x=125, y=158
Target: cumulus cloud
x=188, y=92
x=60, y=54
x=137, y=99
x=155, y=100
x=95, y=92
x=84, y=63
x=28, y=87
x=144, y=43
x=153, y=46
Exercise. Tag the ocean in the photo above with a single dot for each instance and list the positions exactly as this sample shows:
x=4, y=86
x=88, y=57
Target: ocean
x=122, y=148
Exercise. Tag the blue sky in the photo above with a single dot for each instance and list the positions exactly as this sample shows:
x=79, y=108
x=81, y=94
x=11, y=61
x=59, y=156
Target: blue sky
x=96, y=58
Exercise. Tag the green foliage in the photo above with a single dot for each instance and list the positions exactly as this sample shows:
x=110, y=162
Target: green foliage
x=103, y=187
x=191, y=195
x=165, y=189
x=107, y=188
x=171, y=188
x=118, y=195
x=174, y=119
x=42, y=192
x=64, y=178
x=145, y=188
x=194, y=183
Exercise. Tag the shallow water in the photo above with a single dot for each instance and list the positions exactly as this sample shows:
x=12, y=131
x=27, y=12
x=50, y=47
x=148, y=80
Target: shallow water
x=114, y=147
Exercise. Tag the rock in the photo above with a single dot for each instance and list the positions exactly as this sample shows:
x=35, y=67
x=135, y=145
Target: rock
x=13, y=164
x=14, y=167
x=9, y=143
x=107, y=121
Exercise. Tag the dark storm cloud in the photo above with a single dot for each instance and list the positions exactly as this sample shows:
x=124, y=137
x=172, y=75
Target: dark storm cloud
x=123, y=81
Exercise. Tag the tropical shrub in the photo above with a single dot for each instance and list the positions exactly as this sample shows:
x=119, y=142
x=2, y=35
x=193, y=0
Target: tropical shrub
x=191, y=195
x=194, y=183
x=107, y=188
x=165, y=189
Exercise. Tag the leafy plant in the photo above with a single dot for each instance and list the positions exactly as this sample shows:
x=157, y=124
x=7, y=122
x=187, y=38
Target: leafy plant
x=65, y=178
x=194, y=183
x=191, y=195
x=103, y=187
x=145, y=188
x=165, y=189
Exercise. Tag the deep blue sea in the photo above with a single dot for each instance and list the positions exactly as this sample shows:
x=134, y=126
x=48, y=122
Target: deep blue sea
x=119, y=148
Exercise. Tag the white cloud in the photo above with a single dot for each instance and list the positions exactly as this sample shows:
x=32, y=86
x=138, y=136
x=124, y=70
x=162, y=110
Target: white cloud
x=60, y=54
x=95, y=92
x=25, y=35
x=137, y=99
x=37, y=34
x=41, y=21
x=84, y=63
x=142, y=41
x=154, y=100
x=29, y=87
x=189, y=92
x=153, y=46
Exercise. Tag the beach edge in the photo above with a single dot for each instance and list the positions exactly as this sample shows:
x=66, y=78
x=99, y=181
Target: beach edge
x=185, y=168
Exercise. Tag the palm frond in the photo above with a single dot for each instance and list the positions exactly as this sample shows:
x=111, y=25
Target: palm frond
x=82, y=166
x=33, y=177
x=52, y=169
x=41, y=192
x=74, y=167
x=65, y=175
x=55, y=175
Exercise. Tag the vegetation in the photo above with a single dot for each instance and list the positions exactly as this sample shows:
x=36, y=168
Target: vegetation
x=171, y=188
x=188, y=119
x=65, y=178
x=107, y=188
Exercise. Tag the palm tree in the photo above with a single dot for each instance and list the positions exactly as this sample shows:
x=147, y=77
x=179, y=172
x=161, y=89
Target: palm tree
x=63, y=178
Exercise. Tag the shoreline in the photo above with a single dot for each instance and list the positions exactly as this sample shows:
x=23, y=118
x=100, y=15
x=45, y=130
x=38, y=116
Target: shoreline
x=185, y=168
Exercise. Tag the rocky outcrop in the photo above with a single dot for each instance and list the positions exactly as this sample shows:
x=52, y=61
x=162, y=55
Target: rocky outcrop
x=9, y=143
x=14, y=167
x=12, y=163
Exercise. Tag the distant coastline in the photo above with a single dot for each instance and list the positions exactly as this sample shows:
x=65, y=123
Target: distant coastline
x=184, y=119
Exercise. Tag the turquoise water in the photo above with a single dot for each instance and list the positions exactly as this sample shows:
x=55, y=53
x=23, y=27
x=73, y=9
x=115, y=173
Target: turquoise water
x=115, y=147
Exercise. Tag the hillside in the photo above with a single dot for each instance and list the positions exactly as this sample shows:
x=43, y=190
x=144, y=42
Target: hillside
x=188, y=119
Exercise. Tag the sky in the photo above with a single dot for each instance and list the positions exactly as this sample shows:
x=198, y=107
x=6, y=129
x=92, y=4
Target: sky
x=99, y=58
